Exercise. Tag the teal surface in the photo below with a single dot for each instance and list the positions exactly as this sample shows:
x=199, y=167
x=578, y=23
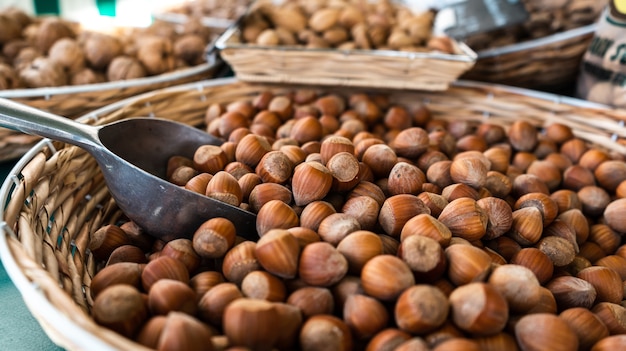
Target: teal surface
x=19, y=330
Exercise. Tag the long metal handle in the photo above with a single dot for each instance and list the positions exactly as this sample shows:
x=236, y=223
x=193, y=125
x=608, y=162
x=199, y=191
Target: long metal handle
x=33, y=121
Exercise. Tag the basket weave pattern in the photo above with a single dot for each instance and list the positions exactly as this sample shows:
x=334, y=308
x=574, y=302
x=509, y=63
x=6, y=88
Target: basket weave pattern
x=57, y=198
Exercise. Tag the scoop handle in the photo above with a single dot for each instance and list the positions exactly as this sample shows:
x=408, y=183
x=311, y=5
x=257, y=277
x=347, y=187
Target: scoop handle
x=30, y=120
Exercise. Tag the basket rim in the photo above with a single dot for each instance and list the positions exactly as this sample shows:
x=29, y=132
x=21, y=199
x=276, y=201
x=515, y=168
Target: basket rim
x=30, y=291
x=468, y=55
x=179, y=18
x=121, y=84
x=535, y=43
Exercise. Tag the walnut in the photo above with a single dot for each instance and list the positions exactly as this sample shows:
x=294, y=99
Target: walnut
x=125, y=67
x=68, y=54
x=195, y=26
x=43, y=73
x=12, y=48
x=161, y=29
x=86, y=76
x=190, y=48
x=21, y=17
x=156, y=54
x=25, y=57
x=8, y=77
x=100, y=49
x=11, y=29
x=51, y=30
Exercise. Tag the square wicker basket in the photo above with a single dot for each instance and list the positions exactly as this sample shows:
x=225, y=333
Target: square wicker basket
x=356, y=68
x=55, y=197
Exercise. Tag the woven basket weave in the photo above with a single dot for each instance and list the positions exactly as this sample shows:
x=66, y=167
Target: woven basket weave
x=548, y=63
x=73, y=101
x=55, y=196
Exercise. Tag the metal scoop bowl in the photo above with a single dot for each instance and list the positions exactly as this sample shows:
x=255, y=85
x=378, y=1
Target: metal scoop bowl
x=132, y=155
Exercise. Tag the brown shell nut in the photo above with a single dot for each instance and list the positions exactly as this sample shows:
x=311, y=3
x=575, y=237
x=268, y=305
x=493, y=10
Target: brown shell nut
x=509, y=264
x=125, y=67
x=100, y=49
x=156, y=54
x=42, y=72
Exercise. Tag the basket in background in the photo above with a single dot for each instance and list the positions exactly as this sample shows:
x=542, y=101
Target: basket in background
x=544, y=53
x=311, y=59
x=55, y=197
x=62, y=98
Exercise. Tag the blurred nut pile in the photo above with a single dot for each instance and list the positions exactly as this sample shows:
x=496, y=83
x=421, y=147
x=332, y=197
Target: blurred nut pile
x=51, y=52
x=546, y=17
x=211, y=8
x=381, y=228
x=343, y=24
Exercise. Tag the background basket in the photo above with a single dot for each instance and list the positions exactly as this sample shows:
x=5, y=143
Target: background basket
x=352, y=68
x=73, y=101
x=543, y=53
x=55, y=196
x=550, y=63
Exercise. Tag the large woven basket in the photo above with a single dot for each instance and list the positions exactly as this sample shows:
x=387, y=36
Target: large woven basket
x=73, y=101
x=55, y=196
x=549, y=63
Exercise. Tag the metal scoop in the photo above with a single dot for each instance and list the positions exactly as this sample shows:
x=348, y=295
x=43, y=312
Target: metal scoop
x=133, y=155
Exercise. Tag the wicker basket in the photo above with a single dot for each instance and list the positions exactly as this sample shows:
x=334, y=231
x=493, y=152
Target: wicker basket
x=73, y=101
x=55, y=196
x=356, y=68
x=550, y=63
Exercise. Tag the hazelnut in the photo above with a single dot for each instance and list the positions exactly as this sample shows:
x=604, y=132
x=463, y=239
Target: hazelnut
x=214, y=238
x=176, y=331
x=312, y=300
x=571, y=292
x=128, y=273
x=264, y=286
x=321, y=264
x=323, y=332
x=517, y=284
x=251, y=323
x=587, y=326
x=239, y=261
x=385, y=277
x=467, y=264
x=479, y=308
x=421, y=309
x=541, y=330
x=397, y=210
x=387, y=339
x=167, y=295
x=121, y=308
x=465, y=218
x=311, y=182
x=365, y=315
x=213, y=303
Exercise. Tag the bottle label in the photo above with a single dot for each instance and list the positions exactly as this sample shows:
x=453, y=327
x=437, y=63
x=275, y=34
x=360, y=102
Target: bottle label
x=603, y=70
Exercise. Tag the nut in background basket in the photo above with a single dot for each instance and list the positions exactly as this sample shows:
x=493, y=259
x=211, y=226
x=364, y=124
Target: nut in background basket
x=343, y=44
x=69, y=68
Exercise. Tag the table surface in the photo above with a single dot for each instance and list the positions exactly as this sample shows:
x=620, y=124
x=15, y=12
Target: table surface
x=19, y=330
